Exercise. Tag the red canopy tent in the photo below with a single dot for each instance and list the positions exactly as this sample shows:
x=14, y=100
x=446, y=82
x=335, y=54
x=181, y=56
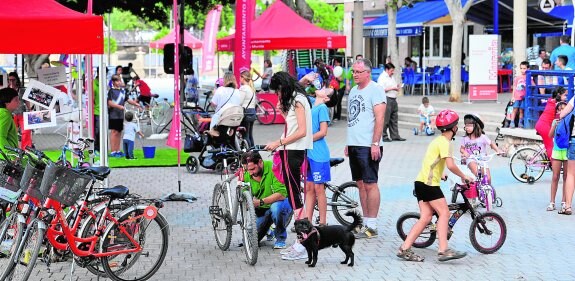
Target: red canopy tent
x=46, y=27
x=189, y=40
x=279, y=27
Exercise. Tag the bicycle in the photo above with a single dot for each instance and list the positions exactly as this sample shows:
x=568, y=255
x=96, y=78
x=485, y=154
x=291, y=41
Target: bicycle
x=158, y=112
x=528, y=164
x=78, y=152
x=265, y=112
x=485, y=192
x=224, y=208
x=488, y=225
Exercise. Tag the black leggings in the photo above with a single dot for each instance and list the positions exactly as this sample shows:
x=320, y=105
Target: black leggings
x=293, y=179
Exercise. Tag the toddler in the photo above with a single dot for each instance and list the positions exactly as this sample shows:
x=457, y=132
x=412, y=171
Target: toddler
x=130, y=131
x=426, y=113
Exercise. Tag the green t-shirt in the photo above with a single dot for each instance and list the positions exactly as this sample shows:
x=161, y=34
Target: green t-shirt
x=8, y=133
x=267, y=186
x=96, y=100
x=348, y=76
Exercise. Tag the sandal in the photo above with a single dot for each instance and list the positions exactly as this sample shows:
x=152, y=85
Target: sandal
x=567, y=211
x=409, y=255
x=551, y=207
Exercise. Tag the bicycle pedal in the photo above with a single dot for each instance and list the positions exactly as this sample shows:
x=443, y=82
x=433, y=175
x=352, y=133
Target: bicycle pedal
x=215, y=210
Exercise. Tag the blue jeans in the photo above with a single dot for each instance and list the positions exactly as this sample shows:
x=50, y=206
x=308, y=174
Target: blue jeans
x=128, y=148
x=278, y=213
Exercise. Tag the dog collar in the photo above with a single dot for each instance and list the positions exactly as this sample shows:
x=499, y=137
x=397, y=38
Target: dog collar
x=305, y=236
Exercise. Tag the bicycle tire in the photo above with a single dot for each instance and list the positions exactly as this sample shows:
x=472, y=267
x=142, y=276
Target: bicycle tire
x=192, y=165
x=266, y=112
x=249, y=228
x=122, y=267
x=160, y=114
x=11, y=232
x=28, y=250
x=519, y=167
x=477, y=229
x=346, y=198
x=427, y=236
x=221, y=223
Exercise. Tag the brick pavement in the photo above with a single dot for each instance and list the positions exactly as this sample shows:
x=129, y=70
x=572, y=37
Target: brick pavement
x=537, y=246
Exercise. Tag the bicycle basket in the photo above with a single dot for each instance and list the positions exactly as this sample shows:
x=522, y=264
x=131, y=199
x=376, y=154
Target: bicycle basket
x=63, y=184
x=10, y=175
x=31, y=180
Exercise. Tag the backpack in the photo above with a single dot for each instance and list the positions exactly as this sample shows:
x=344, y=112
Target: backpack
x=563, y=131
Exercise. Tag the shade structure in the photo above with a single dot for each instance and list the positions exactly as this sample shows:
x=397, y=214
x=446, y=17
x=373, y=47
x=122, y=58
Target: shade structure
x=281, y=28
x=46, y=27
x=170, y=38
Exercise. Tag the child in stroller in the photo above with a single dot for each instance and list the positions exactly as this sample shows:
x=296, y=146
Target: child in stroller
x=508, y=112
x=227, y=126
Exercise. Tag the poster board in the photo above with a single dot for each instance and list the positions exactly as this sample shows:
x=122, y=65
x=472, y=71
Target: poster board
x=39, y=119
x=483, y=66
x=52, y=76
x=41, y=94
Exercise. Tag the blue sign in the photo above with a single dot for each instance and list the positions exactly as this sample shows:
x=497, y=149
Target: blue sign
x=401, y=31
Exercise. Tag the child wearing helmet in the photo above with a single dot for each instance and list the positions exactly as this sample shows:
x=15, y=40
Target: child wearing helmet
x=475, y=142
x=428, y=193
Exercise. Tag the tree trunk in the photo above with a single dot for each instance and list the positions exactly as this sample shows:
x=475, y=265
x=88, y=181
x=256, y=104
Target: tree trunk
x=304, y=10
x=392, y=42
x=290, y=4
x=456, y=50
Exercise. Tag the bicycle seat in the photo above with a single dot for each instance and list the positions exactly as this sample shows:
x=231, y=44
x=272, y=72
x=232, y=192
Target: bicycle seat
x=100, y=173
x=116, y=192
x=207, y=93
x=335, y=161
x=155, y=96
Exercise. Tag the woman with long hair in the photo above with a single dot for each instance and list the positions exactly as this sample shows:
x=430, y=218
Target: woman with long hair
x=249, y=103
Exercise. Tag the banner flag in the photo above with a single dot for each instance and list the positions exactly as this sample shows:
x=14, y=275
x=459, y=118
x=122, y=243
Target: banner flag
x=210, y=32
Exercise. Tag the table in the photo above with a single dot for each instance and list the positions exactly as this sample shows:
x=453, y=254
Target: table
x=500, y=74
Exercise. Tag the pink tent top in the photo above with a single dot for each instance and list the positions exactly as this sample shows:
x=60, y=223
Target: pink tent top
x=189, y=40
x=279, y=27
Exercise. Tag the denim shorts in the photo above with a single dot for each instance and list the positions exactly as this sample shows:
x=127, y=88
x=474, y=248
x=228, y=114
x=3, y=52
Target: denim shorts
x=571, y=149
x=362, y=166
x=518, y=104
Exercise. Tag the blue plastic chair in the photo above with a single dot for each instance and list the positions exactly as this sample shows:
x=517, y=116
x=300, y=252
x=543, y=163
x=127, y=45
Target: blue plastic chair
x=464, y=79
x=375, y=72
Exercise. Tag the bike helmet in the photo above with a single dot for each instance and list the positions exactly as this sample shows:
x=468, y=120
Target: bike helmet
x=475, y=118
x=446, y=119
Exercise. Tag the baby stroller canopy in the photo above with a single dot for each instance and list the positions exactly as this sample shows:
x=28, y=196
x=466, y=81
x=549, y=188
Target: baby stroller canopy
x=231, y=115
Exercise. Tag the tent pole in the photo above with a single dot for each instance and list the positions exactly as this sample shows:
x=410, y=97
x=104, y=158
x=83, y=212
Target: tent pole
x=103, y=121
x=79, y=92
x=22, y=80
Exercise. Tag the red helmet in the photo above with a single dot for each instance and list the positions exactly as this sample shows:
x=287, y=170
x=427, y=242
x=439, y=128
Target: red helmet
x=446, y=119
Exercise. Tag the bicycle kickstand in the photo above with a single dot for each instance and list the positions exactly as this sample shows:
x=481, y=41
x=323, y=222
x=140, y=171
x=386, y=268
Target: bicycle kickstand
x=72, y=269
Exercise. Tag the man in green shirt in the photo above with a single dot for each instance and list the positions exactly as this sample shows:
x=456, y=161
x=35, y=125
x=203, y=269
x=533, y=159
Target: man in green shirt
x=8, y=103
x=269, y=198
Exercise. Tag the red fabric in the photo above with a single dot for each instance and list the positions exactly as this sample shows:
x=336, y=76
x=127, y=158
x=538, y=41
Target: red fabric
x=26, y=134
x=543, y=125
x=45, y=26
x=189, y=40
x=144, y=88
x=281, y=28
x=549, y=112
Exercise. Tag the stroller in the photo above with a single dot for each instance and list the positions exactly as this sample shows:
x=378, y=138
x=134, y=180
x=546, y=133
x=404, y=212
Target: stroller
x=228, y=127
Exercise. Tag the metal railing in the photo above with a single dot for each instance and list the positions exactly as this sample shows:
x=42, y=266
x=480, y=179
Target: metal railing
x=534, y=101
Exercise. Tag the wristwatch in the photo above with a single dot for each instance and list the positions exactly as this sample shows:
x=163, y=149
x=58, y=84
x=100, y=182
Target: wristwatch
x=375, y=143
x=261, y=202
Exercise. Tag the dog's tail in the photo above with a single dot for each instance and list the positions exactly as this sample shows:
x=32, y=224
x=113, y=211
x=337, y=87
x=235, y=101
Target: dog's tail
x=357, y=220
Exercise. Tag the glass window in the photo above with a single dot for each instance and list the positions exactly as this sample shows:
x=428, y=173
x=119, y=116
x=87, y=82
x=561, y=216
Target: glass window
x=427, y=36
x=436, y=41
x=447, y=35
x=414, y=46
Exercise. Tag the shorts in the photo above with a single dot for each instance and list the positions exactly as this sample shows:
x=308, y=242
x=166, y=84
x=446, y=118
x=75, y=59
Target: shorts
x=424, y=119
x=116, y=124
x=318, y=172
x=144, y=99
x=571, y=149
x=426, y=193
x=559, y=154
x=362, y=166
x=518, y=104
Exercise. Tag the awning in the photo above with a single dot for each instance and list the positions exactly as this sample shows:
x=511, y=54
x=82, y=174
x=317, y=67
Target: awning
x=409, y=20
x=563, y=12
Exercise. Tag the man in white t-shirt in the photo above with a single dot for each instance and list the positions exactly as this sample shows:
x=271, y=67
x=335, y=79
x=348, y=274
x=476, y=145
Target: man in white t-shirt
x=389, y=84
x=366, y=114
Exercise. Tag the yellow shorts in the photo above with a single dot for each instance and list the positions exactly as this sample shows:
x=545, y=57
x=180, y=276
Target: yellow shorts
x=559, y=154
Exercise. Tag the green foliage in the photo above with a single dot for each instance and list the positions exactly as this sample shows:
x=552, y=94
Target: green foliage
x=113, y=45
x=326, y=16
x=124, y=20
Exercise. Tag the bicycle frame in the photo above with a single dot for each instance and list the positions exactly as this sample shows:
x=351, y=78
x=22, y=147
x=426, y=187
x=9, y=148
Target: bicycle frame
x=335, y=189
x=233, y=205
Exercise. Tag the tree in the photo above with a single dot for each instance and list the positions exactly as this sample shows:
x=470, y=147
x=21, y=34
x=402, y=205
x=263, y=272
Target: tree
x=392, y=7
x=457, y=13
x=301, y=7
x=326, y=16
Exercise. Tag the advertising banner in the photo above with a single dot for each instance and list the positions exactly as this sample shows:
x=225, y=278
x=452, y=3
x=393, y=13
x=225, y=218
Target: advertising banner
x=243, y=37
x=483, y=65
x=210, y=32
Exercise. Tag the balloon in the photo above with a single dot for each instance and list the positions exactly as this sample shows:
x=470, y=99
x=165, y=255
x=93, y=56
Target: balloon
x=337, y=71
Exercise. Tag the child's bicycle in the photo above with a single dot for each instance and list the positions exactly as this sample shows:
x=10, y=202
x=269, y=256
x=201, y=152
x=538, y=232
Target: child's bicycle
x=487, y=231
x=528, y=164
x=483, y=188
x=427, y=129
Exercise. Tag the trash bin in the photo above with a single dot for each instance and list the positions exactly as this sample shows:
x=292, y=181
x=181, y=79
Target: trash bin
x=149, y=151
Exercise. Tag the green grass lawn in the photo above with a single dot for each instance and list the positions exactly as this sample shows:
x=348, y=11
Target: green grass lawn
x=164, y=157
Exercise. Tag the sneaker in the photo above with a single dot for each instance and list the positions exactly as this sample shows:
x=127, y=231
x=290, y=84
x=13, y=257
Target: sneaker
x=287, y=250
x=120, y=154
x=366, y=232
x=295, y=255
x=292, y=229
x=114, y=154
x=450, y=254
x=280, y=245
x=409, y=255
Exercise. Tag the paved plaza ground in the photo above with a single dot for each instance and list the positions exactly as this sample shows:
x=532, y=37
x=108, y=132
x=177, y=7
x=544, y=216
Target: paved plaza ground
x=538, y=246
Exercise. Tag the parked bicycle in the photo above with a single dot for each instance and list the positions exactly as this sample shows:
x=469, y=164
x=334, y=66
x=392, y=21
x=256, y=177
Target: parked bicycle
x=158, y=111
x=225, y=207
x=487, y=231
x=77, y=152
x=528, y=164
x=483, y=188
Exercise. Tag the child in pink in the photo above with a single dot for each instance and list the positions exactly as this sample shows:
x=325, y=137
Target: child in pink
x=519, y=89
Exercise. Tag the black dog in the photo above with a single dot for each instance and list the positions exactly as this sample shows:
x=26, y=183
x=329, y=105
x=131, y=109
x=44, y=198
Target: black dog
x=316, y=238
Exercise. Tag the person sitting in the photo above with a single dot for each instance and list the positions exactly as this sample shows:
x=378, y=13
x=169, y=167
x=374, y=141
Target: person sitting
x=145, y=96
x=226, y=95
x=269, y=198
x=9, y=101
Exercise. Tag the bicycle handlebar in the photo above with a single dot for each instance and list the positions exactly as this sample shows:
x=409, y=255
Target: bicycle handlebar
x=38, y=153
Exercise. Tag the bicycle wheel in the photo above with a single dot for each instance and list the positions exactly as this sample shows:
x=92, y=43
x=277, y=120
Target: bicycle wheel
x=151, y=234
x=406, y=222
x=527, y=162
x=160, y=114
x=192, y=165
x=249, y=228
x=488, y=232
x=11, y=232
x=221, y=221
x=28, y=251
x=344, y=199
x=265, y=112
